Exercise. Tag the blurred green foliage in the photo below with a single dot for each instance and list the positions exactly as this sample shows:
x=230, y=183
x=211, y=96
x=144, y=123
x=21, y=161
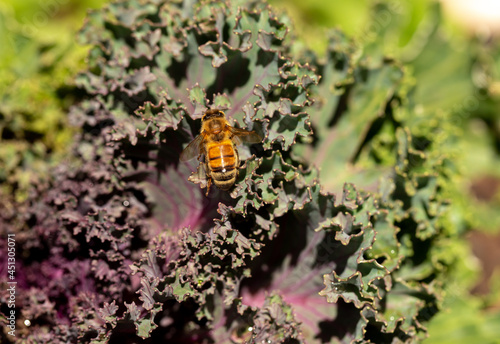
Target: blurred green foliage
x=38, y=59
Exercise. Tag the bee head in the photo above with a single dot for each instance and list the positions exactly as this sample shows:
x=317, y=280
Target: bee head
x=212, y=113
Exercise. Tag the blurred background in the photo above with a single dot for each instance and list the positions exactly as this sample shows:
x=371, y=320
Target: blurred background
x=450, y=51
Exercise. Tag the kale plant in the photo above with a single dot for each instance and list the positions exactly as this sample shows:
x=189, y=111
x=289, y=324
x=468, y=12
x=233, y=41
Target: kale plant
x=120, y=246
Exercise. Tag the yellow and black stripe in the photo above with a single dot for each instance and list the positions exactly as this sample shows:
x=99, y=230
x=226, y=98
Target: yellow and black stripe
x=222, y=161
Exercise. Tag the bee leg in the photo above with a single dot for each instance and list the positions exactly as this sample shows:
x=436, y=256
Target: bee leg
x=237, y=159
x=209, y=177
x=209, y=182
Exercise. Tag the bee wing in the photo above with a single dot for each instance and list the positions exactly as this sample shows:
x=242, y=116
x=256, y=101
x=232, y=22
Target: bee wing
x=246, y=136
x=192, y=149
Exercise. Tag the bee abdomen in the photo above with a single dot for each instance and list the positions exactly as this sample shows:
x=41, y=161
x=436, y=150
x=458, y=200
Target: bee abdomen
x=222, y=161
x=224, y=180
x=224, y=176
x=221, y=157
x=222, y=168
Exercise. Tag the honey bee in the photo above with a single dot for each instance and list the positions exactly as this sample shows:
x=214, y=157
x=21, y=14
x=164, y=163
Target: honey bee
x=217, y=142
